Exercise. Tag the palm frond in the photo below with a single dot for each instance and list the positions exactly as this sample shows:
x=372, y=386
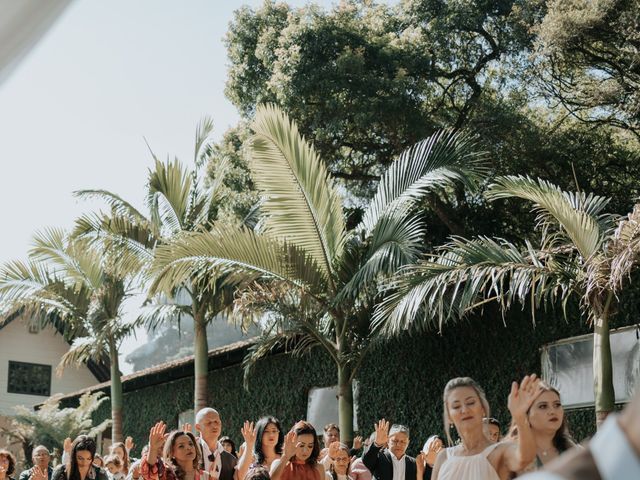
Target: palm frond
x=169, y=190
x=396, y=241
x=624, y=249
x=119, y=206
x=204, y=130
x=74, y=261
x=440, y=160
x=466, y=274
x=157, y=314
x=301, y=201
x=81, y=351
x=241, y=255
x=578, y=215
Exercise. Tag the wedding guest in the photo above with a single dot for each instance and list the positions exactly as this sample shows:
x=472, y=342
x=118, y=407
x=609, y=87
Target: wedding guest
x=299, y=459
x=80, y=464
x=41, y=469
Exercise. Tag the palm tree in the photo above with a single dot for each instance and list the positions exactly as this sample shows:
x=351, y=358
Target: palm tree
x=178, y=203
x=315, y=278
x=68, y=282
x=580, y=253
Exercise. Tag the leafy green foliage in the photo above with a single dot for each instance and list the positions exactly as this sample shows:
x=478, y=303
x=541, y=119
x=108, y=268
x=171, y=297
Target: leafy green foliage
x=49, y=425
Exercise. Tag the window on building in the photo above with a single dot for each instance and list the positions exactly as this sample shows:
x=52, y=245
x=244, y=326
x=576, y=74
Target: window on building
x=322, y=407
x=568, y=366
x=29, y=378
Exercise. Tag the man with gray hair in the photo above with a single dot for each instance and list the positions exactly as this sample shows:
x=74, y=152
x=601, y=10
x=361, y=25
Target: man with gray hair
x=390, y=463
x=41, y=469
x=219, y=463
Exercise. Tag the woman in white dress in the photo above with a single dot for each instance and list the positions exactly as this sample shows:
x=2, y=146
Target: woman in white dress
x=477, y=457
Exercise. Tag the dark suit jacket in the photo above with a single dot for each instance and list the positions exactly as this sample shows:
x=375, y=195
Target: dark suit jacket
x=228, y=463
x=27, y=473
x=379, y=462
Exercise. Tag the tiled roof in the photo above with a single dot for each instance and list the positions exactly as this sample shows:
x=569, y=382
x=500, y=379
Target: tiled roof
x=221, y=357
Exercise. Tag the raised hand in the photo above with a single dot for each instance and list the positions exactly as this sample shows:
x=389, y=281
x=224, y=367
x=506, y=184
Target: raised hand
x=38, y=474
x=421, y=463
x=156, y=438
x=357, y=443
x=382, y=432
x=289, y=447
x=334, y=448
x=248, y=432
x=135, y=471
x=66, y=446
x=128, y=444
x=187, y=428
x=522, y=396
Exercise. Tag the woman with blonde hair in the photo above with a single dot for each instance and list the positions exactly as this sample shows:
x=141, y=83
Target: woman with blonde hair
x=477, y=457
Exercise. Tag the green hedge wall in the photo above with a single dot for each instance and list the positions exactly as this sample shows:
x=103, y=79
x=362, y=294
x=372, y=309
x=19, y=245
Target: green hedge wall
x=401, y=380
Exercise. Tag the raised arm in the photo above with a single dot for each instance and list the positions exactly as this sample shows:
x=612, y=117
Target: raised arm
x=156, y=439
x=288, y=451
x=520, y=454
x=249, y=434
x=440, y=459
x=370, y=457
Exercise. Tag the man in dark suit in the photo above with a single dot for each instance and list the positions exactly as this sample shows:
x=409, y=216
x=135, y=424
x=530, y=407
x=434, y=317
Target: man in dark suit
x=41, y=470
x=391, y=463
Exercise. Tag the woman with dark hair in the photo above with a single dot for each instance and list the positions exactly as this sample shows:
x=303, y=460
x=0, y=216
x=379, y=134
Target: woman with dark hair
x=549, y=427
x=80, y=463
x=229, y=445
x=179, y=459
x=7, y=465
x=268, y=443
x=299, y=456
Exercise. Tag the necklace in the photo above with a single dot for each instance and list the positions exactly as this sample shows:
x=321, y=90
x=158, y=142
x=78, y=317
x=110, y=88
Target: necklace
x=546, y=452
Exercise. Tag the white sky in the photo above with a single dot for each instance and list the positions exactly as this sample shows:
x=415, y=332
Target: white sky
x=74, y=112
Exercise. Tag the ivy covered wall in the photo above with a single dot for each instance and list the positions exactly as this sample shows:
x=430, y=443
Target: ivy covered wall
x=401, y=380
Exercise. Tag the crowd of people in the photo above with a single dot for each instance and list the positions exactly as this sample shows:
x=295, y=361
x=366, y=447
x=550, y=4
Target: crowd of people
x=538, y=434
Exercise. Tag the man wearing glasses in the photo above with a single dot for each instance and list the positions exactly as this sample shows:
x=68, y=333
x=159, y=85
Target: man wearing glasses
x=390, y=463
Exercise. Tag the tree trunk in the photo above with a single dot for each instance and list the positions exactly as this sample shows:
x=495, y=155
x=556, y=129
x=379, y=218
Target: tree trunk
x=116, y=394
x=345, y=404
x=602, y=365
x=201, y=363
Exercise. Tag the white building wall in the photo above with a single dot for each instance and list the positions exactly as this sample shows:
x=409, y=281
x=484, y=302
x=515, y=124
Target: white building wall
x=46, y=348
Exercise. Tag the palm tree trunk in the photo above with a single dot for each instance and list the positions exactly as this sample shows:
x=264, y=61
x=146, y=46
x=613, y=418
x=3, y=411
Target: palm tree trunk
x=345, y=404
x=201, y=362
x=116, y=394
x=602, y=364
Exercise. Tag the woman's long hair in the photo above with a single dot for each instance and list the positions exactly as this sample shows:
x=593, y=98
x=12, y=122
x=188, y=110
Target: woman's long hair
x=562, y=440
x=167, y=452
x=261, y=425
x=80, y=444
x=125, y=461
x=305, y=428
x=332, y=470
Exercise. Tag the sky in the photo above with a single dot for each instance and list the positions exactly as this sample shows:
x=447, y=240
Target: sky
x=75, y=112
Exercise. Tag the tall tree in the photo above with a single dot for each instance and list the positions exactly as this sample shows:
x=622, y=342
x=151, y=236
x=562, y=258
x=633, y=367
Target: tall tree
x=366, y=80
x=178, y=203
x=580, y=252
x=68, y=281
x=318, y=277
x=587, y=60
